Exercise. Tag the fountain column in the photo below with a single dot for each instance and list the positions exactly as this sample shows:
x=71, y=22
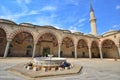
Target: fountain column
x=59, y=49
x=34, y=49
x=75, y=50
x=7, y=48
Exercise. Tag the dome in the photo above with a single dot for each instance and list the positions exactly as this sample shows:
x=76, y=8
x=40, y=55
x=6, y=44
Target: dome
x=110, y=32
x=7, y=21
x=48, y=26
x=27, y=24
x=66, y=31
x=90, y=35
x=78, y=33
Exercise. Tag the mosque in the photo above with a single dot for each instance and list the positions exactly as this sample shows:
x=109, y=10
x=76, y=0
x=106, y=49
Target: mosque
x=28, y=40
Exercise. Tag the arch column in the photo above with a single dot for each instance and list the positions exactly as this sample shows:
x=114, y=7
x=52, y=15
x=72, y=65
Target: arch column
x=34, y=49
x=59, y=49
x=100, y=51
x=75, y=46
x=90, y=56
x=7, y=48
x=118, y=49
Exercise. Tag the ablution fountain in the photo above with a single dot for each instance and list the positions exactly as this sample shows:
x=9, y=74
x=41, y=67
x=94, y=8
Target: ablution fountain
x=48, y=62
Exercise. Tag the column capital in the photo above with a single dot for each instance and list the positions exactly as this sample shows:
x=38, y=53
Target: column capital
x=75, y=44
x=59, y=43
x=117, y=44
x=35, y=43
x=9, y=39
x=89, y=47
x=100, y=46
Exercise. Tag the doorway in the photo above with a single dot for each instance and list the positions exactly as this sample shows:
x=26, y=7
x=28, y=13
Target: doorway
x=83, y=55
x=46, y=51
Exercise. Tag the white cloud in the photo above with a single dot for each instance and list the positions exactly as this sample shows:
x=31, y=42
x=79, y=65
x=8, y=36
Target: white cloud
x=73, y=29
x=73, y=2
x=4, y=10
x=47, y=20
x=78, y=25
x=22, y=4
x=16, y=16
x=118, y=7
x=48, y=8
x=23, y=1
x=27, y=1
x=82, y=20
x=116, y=26
x=33, y=12
x=81, y=25
x=7, y=14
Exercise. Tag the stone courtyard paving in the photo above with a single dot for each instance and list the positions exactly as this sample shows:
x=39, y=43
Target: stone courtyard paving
x=93, y=69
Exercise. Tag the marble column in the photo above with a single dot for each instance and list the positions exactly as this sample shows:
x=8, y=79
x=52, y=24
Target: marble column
x=100, y=50
x=75, y=45
x=119, y=51
x=59, y=49
x=90, y=56
x=118, y=46
x=7, y=48
x=34, y=50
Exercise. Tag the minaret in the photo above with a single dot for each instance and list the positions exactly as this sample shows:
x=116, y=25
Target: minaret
x=93, y=21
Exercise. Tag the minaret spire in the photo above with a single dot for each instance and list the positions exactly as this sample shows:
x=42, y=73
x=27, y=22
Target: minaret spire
x=92, y=20
x=91, y=8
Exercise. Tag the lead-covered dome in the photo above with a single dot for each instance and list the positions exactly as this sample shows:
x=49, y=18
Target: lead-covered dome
x=7, y=21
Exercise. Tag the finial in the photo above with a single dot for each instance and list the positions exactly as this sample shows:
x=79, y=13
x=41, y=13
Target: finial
x=91, y=8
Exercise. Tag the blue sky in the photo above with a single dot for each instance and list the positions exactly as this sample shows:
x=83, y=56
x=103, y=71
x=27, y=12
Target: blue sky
x=70, y=15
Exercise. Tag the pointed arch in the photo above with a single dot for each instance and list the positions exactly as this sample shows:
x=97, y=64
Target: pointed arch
x=109, y=49
x=86, y=40
x=67, y=47
x=48, y=31
x=3, y=40
x=19, y=30
x=47, y=43
x=69, y=36
x=82, y=48
x=101, y=42
x=5, y=29
x=95, y=49
x=20, y=39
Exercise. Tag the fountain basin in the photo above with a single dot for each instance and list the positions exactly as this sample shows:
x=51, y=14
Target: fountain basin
x=48, y=61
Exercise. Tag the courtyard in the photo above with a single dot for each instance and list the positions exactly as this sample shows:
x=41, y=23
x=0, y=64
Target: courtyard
x=93, y=69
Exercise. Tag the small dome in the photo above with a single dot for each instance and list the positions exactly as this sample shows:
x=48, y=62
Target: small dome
x=27, y=24
x=48, y=26
x=90, y=35
x=110, y=32
x=66, y=31
x=78, y=33
x=7, y=21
